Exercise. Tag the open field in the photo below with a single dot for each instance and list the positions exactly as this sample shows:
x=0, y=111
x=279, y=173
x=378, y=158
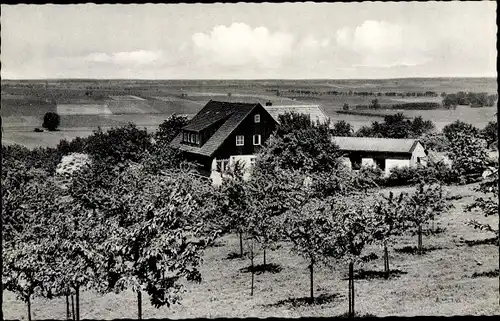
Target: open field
x=87, y=104
x=437, y=283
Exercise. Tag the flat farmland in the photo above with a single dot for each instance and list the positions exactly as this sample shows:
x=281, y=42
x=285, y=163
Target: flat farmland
x=439, y=282
x=31, y=139
x=147, y=103
x=26, y=106
x=130, y=107
x=83, y=109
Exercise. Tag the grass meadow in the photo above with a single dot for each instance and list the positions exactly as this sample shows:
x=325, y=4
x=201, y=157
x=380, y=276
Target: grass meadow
x=439, y=282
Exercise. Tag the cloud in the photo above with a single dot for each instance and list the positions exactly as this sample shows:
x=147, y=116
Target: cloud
x=240, y=45
x=139, y=57
x=383, y=44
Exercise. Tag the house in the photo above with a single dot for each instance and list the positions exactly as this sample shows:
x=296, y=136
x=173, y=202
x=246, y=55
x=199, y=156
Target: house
x=384, y=153
x=314, y=111
x=222, y=133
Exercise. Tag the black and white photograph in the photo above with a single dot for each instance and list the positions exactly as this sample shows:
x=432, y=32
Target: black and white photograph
x=249, y=160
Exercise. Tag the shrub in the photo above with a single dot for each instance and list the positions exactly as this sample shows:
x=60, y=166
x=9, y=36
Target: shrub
x=38, y=130
x=433, y=172
x=370, y=174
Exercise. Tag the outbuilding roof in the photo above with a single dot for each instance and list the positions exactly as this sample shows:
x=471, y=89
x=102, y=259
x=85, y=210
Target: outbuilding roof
x=314, y=111
x=373, y=144
x=232, y=114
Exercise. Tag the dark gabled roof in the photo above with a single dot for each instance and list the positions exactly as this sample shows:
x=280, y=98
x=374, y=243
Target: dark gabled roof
x=373, y=144
x=214, y=111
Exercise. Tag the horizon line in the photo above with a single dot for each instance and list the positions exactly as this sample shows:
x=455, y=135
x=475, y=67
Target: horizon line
x=244, y=79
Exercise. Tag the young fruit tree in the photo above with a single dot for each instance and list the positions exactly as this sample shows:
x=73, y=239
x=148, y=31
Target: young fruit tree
x=155, y=236
x=312, y=235
x=27, y=200
x=73, y=232
x=355, y=225
x=390, y=211
x=424, y=205
x=234, y=201
x=488, y=205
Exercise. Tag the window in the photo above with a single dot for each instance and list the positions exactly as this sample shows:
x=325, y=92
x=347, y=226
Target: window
x=355, y=161
x=256, y=139
x=240, y=140
x=380, y=163
x=418, y=160
x=256, y=118
x=184, y=136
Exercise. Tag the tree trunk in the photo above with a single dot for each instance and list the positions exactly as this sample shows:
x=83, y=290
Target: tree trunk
x=351, y=290
x=386, y=262
x=419, y=239
x=139, y=305
x=311, y=276
x=68, y=313
x=29, y=308
x=73, y=307
x=264, y=257
x=77, y=303
x=253, y=276
x=241, y=244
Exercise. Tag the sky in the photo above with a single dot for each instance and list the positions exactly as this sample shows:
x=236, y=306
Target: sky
x=250, y=41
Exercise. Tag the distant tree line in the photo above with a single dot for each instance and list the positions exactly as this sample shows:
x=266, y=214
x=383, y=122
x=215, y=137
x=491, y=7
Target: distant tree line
x=410, y=106
x=470, y=98
x=359, y=93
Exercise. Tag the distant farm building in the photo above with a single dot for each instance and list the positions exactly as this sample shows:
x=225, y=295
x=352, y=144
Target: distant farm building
x=383, y=153
x=314, y=111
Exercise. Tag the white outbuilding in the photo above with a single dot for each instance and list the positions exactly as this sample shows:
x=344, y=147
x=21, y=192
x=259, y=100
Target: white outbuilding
x=384, y=153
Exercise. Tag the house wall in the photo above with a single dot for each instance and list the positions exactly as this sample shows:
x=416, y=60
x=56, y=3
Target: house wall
x=392, y=163
x=418, y=152
x=391, y=159
x=217, y=176
x=248, y=128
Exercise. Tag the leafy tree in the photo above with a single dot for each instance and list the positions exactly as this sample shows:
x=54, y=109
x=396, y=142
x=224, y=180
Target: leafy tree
x=435, y=141
x=345, y=106
x=396, y=126
x=487, y=205
x=469, y=157
x=51, y=121
x=45, y=159
x=365, y=131
x=119, y=144
x=453, y=129
x=311, y=232
x=27, y=200
x=342, y=128
x=490, y=133
x=423, y=205
x=153, y=229
x=300, y=144
x=170, y=128
x=375, y=104
x=420, y=126
x=235, y=201
x=355, y=225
